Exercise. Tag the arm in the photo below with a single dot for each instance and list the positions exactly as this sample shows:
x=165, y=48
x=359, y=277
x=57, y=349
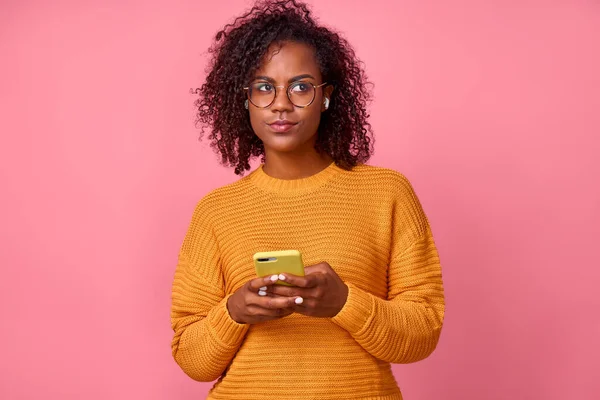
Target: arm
x=206, y=338
x=406, y=326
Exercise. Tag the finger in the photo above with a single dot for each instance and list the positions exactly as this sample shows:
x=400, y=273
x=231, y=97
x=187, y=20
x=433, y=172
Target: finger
x=261, y=314
x=320, y=267
x=296, y=303
x=306, y=281
x=256, y=284
x=273, y=295
x=304, y=306
x=261, y=298
x=275, y=303
x=296, y=296
x=257, y=300
x=288, y=291
x=312, y=269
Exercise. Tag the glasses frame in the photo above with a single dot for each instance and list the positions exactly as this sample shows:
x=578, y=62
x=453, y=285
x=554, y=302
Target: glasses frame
x=287, y=92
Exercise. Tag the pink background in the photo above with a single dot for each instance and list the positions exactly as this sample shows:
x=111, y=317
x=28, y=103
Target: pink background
x=491, y=108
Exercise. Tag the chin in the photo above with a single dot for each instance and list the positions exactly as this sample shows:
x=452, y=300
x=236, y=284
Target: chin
x=283, y=148
x=286, y=144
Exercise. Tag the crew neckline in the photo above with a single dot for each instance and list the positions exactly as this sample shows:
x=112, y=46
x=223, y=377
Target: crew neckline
x=260, y=178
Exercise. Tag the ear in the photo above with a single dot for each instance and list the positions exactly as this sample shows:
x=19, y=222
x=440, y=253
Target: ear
x=327, y=91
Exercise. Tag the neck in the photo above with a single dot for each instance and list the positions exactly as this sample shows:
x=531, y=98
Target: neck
x=295, y=166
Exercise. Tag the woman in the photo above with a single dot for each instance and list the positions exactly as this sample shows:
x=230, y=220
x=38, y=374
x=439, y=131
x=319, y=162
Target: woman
x=290, y=91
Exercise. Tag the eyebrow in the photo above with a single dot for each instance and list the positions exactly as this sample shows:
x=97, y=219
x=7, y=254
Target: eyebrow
x=295, y=78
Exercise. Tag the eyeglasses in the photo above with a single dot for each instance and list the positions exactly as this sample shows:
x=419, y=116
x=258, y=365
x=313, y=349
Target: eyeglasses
x=300, y=94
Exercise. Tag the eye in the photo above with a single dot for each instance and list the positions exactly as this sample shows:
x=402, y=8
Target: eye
x=263, y=87
x=301, y=87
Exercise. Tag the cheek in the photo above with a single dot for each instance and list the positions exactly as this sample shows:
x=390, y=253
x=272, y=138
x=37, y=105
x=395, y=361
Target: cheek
x=256, y=121
x=312, y=118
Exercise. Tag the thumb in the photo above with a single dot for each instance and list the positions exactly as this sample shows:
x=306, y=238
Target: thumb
x=317, y=268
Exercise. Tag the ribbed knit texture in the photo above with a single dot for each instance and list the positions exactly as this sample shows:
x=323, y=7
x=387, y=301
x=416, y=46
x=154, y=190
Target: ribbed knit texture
x=369, y=226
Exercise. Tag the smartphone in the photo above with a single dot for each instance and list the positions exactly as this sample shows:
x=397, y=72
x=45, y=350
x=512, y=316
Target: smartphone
x=275, y=262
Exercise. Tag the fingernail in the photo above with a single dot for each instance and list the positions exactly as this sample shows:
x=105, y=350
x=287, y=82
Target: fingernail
x=262, y=293
x=299, y=300
x=281, y=277
x=263, y=288
x=274, y=278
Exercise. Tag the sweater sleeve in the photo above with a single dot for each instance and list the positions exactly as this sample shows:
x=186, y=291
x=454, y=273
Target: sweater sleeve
x=406, y=326
x=206, y=338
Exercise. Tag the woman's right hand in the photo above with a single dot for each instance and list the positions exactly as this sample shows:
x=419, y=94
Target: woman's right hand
x=251, y=304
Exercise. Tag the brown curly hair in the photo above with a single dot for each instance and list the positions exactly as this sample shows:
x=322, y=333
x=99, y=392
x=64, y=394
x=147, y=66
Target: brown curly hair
x=344, y=132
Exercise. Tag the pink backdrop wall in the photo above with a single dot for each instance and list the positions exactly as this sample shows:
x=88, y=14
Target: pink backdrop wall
x=491, y=108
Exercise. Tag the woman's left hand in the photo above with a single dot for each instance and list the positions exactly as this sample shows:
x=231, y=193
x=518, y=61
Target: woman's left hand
x=319, y=293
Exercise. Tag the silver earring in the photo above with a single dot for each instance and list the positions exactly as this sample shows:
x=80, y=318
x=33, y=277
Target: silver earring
x=326, y=102
x=246, y=104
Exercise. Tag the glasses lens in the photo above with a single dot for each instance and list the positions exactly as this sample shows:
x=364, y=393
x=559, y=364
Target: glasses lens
x=301, y=93
x=261, y=94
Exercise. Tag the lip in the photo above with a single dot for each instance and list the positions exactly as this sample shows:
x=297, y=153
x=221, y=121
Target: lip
x=282, y=125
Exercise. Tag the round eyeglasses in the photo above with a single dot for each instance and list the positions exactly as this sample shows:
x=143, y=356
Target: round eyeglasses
x=300, y=94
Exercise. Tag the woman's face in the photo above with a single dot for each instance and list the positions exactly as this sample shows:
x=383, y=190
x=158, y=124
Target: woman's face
x=284, y=127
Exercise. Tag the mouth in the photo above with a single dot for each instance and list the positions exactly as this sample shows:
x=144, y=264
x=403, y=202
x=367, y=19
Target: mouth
x=282, y=125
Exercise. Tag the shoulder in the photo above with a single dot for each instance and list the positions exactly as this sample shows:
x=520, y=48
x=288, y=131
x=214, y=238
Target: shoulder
x=391, y=189
x=394, y=190
x=221, y=199
x=384, y=180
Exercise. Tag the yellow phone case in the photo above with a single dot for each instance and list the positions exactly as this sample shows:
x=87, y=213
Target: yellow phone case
x=276, y=262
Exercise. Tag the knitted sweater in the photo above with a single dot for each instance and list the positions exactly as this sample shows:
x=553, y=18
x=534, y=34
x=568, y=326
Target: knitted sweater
x=368, y=224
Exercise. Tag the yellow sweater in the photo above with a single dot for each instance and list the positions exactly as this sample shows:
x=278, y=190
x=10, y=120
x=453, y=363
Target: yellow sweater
x=369, y=226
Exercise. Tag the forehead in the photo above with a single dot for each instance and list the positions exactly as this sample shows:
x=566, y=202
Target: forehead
x=285, y=60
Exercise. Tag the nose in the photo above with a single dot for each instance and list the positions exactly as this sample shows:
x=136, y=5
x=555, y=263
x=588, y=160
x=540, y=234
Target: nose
x=281, y=102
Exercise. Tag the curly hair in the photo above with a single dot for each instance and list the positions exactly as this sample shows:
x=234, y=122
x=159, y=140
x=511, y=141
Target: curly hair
x=344, y=132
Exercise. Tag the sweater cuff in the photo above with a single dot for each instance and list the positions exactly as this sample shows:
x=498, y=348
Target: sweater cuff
x=357, y=311
x=224, y=328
